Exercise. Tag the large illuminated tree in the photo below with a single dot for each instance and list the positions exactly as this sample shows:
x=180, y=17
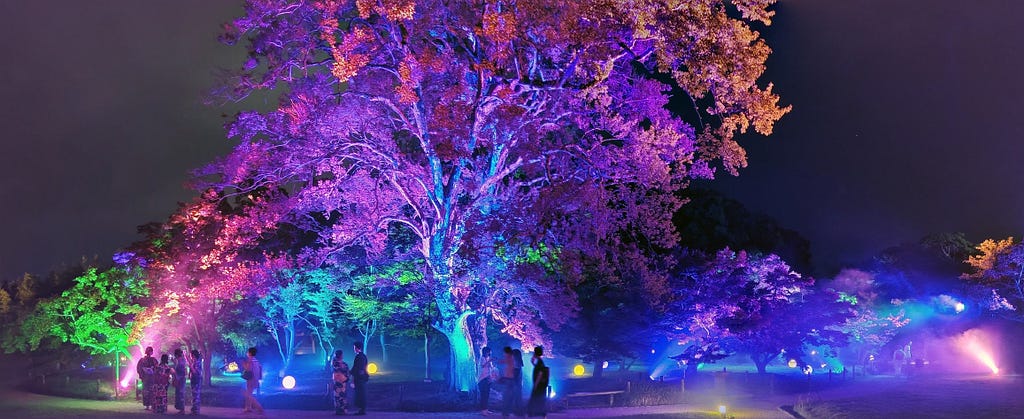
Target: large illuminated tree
x=455, y=118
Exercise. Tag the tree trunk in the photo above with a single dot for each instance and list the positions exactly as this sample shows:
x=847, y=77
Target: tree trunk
x=207, y=368
x=383, y=349
x=426, y=356
x=462, y=367
x=598, y=369
x=367, y=330
x=761, y=362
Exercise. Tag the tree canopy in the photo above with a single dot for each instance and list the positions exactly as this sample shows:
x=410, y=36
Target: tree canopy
x=483, y=125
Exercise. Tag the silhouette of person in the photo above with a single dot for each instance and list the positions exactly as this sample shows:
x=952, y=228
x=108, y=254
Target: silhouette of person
x=161, y=380
x=252, y=372
x=340, y=375
x=146, y=368
x=195, y=379
x=359, y=377
x=180, y=372
x=485, y=372
x=538, y=395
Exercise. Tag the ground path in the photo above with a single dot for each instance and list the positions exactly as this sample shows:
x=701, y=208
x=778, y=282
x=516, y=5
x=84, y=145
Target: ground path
x=17, y=404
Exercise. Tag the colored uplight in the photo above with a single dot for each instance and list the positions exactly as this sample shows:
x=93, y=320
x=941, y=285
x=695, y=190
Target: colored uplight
x=371, y=368
x=721, y=409
x=288, y=382
x=126, y=381
x=578, y=370
x=984, y=356
x=974, y=343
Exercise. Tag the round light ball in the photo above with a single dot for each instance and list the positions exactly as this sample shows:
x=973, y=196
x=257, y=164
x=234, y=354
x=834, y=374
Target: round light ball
x=288, y=382
x=578, y=370
x=371, y=368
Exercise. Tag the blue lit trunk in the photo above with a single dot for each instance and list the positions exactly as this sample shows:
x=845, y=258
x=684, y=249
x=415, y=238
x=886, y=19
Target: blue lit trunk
x=463, y=362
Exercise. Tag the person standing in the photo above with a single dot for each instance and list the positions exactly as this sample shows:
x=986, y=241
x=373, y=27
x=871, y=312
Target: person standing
x=508, y=371
x=146, y=368
x=195, y=379
x=340, y=376
x=252, y=373
x=539, y=394
x=485, y=373
x=359, y=377
x=161, y=380
x=180, y=372
x=517, y=382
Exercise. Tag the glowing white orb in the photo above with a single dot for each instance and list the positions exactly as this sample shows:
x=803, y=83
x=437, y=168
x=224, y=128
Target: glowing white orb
x=604, y=365
x=959, y=307
x=792, y=363
x=721, y=409
x=288, y=382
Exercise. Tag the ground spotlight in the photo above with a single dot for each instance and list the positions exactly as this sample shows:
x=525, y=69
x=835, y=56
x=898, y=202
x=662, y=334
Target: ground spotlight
x=288, y=382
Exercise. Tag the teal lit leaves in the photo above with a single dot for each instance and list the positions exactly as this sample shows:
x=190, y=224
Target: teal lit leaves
x=848, y=298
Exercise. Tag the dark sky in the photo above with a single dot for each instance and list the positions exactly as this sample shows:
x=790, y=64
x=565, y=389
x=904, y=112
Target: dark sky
x=905, y=122
x=101, y=120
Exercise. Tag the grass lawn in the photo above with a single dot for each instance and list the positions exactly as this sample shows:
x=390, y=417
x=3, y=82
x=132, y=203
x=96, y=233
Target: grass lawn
x=974, y=396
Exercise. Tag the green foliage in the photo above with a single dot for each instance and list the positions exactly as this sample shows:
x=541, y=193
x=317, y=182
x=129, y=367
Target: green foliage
x=541, y=255
x=95, y=314
x=378, y=295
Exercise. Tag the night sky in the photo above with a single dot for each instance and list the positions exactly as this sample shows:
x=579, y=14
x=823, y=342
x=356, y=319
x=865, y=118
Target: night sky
x=906, y=121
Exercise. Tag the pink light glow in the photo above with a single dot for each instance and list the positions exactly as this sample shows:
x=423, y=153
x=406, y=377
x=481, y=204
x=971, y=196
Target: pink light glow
x=973, y=343
x=129, y=373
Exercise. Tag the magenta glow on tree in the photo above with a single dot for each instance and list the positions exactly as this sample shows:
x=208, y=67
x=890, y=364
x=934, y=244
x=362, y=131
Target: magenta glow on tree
x=452, y=117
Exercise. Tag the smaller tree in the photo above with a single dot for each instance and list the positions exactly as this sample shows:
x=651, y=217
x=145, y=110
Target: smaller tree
x=283, y=308
x=96, y=314
x=999, y=265
x=873, y=322
x=379, y=295
x=322, y=297
x=753, y=304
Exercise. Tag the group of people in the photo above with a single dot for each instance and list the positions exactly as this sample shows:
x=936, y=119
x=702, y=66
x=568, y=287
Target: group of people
x=510, y=380
x=158, y=376
x=355, y=377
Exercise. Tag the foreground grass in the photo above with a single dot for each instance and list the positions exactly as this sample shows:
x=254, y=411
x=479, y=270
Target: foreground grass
x=924, y=397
